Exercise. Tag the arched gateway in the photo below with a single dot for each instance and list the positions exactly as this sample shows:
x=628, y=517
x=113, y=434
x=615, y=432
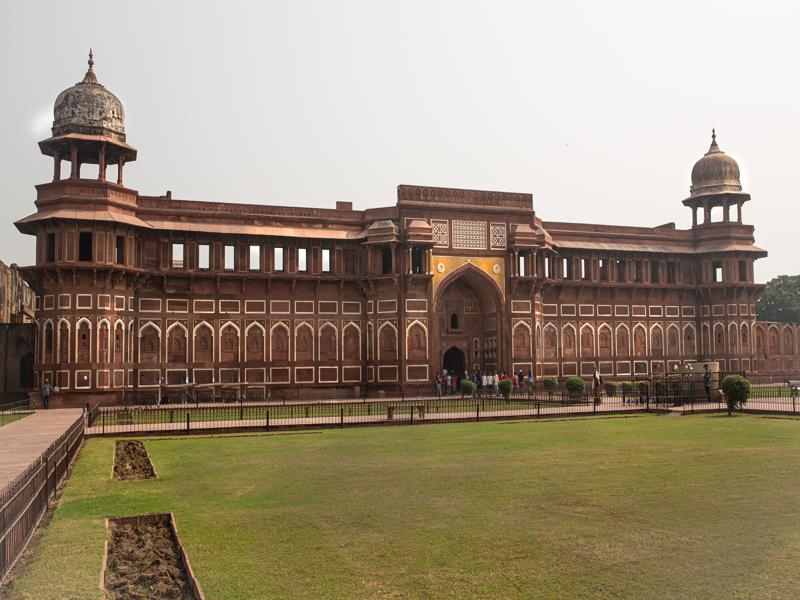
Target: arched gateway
x=468, y=318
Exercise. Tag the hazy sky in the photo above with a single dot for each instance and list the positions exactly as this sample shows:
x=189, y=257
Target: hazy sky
x=599, y=109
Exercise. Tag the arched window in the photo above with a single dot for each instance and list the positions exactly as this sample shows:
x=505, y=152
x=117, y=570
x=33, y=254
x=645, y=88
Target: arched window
x=279, y=344
x=84, y=340
x=149, y=344
x=417, y=342
x=229, y=343
x=454, y=322
x=63, y=342
x=352, y=343
x=568, y=346
x=387, y=343
x=587, y=342
x=48, y=342
x=176, y=344
x=327, y=343
x=102, y=341
x=522, y=341
x=303, y=342
x=254, y=343
x=203, y=343
x=689, y=341
x=119, y=345
x=604, y=341
x=623, y=342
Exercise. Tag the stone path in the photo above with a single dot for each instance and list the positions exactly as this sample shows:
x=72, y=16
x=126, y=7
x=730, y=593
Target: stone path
x=24, y=440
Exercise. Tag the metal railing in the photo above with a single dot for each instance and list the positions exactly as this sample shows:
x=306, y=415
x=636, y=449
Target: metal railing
x=13, y=410
x=400, y=410
x=24, y=501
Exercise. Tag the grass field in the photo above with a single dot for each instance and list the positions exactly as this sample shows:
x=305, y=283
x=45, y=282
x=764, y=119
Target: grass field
x=6, y=418
x=620, y=507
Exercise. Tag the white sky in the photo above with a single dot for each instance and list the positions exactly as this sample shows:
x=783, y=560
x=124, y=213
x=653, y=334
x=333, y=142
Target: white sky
x=599, y=109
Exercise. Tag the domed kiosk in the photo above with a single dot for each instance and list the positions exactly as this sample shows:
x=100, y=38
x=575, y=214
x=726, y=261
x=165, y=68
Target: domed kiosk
x=88, y=127
x=715, y=182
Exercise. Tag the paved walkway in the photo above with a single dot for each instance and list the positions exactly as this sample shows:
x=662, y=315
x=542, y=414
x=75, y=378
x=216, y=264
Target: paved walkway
x=24, y=440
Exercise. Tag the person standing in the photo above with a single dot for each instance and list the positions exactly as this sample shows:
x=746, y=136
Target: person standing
x=439, y=385
x=496, y=383
x=597, y=384
x=707, y=382
x=46, y=390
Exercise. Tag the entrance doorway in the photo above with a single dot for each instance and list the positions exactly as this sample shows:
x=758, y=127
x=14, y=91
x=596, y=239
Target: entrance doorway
x=454, y=361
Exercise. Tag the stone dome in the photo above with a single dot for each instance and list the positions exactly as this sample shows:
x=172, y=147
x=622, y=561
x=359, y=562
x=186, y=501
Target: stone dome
x=715, y=173
x=89, y=108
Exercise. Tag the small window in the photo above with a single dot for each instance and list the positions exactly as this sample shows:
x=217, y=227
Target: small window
x=177, y=256
x=521, y=265
x=716, y=272
x=277, y=256
x=386, y=261
x=120, y=250
x=672, y=272
x=417, y=260
x=204, y=257
x=637, y=271
x=229, y=258
x=51, y=247
x=621, y=271
x=603, y=269
x=85, y=246
x=548, y=269
x=586, y=271
x=302, y=260
x=454, y=321
x=566, y=268
x=255, y=258
x=655, y=272
x=743, y=271
x=326, y=260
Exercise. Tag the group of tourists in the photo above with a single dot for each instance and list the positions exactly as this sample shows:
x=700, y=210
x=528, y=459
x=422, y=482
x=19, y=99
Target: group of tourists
x=486, y=383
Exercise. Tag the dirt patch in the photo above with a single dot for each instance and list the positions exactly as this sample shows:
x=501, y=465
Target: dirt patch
x=131, y=461
x=145, y=561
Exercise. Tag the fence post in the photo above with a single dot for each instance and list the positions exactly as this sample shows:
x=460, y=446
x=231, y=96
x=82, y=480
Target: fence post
x=187, y=421
x=341, y=417
x=267, y=419
x=412, y=415
x=477, y=412
x=104, y=421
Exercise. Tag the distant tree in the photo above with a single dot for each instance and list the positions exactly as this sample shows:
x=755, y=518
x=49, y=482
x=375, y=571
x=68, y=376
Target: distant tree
x=780, y=300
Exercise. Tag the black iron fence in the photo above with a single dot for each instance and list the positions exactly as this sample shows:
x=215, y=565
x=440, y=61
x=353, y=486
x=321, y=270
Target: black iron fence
x=14, y=410
x=400, y=410
x=24, y=500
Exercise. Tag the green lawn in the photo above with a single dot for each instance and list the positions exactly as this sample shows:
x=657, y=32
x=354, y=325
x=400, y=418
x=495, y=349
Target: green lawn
x=628, y=507
x=6, y=418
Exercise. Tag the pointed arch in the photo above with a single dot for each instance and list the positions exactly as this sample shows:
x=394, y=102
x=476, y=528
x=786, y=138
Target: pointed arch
x=203, y=342
x=622, y=339
x=303, y=342
x=733, y=338
x=229, y=342
x=521, y=338
x=569, y=336
x=48, y=342
x=328, y=343
x=719, y=339
x=351, y=342
x=657, y=340
x=177, y=343
x=673, y=340
x=387, y=341
x=370, y=341
x=62, y=343
x=604, y=341
x=150, y=343
x=131, y=338
x=587, y=340
x=83, y=340
x=788, y=340
x=103, y=341
x=118, y=342
x=255, y=339
x=550, y=341
x=773, y=340
x=744, y=338
x=279, y=336
x=689, y=340
x=537, y=341
x=639, y=340
x=416, y=341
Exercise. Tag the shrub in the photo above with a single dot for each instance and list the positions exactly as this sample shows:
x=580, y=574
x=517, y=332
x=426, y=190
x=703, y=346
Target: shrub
x=737, y=390
x=627, y=388
x=550, y=383
x=467, y=387
x=611, y=389
x=505, y=387
x=575, y=385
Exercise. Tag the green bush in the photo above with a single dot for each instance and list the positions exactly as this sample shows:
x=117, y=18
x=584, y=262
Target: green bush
x=505, y=387
x=575, y=385
x=611, y=388
x=550, y=383
x=737, y=390
x=467, y=387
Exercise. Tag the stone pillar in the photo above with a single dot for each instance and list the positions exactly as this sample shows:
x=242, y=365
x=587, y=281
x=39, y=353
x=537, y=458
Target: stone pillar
x=75, y=169
x=120, y=163
x=694, y=216
x=56, y=166
x=101, y=163
x=738, y=212
x=726, y=211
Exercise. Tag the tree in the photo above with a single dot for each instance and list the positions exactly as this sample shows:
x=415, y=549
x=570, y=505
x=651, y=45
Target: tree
x=780, y=300
x=737, y=390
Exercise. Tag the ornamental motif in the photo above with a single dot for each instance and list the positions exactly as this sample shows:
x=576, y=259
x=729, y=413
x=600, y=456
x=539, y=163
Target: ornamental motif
x=498, y=236
x=441, y=235
x=469, y=235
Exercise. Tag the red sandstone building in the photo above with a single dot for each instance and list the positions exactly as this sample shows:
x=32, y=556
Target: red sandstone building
x=133, y=290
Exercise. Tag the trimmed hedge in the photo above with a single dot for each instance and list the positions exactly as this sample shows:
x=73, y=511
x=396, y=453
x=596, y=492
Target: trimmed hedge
x=550, y=383
x=467, y=387
x=575, y=385
x=505, y=387
x=737, y=390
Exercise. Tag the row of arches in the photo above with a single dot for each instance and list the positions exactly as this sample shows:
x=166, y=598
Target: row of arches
x=64, y=343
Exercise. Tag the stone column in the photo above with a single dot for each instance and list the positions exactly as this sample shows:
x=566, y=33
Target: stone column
x=120, y=163
x=101, y=163
x=56, y=166
x=75, y=169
